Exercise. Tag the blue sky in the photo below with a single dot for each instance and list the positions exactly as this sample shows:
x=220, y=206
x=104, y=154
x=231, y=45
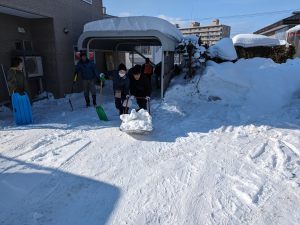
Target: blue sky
x=189, y=10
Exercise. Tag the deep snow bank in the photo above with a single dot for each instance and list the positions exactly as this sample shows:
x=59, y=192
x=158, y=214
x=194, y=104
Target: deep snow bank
x=255, y=86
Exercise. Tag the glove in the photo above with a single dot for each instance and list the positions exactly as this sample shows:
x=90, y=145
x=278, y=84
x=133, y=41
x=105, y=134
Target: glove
x=147, y=98
x=127, y=102
x=102, y=77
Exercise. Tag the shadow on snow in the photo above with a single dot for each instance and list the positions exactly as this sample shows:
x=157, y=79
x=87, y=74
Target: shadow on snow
x=41, y=195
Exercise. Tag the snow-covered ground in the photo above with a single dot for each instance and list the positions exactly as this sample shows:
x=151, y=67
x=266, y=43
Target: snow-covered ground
x=231, y=161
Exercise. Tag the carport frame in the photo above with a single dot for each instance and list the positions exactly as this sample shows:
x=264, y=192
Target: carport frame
x=133, y=39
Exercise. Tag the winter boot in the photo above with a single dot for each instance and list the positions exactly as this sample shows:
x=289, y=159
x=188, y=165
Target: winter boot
x=87, y=100
x=94, y=100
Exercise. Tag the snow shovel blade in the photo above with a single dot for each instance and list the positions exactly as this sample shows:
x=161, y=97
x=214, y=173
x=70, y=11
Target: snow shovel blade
x=101, y=113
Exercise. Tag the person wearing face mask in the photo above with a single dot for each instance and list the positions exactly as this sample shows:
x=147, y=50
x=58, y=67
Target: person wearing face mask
x=16, y=81
x=121, y=88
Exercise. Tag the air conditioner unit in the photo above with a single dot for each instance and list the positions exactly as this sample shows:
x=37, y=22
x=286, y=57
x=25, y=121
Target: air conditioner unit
x=33, y=66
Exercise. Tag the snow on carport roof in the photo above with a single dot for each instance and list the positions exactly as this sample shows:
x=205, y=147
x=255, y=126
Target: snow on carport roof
x=135, y=23
x=294, y=29
x=132, y=31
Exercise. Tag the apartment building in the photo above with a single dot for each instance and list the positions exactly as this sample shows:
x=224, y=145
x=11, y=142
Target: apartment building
x=209, y=34
x=44, y=33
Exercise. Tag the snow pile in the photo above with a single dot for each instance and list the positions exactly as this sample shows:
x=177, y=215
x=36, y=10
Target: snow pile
x=258, y=85
x=254, y=40
x=223, y=49
x=135, y=23
x=136, y=122
x=254, y=87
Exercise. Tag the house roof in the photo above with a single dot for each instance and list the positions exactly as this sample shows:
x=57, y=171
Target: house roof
x=292, y=20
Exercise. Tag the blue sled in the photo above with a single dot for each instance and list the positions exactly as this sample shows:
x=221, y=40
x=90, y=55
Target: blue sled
x=21, y=109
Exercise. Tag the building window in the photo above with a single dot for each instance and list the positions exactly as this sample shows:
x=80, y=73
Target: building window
x=88, y=1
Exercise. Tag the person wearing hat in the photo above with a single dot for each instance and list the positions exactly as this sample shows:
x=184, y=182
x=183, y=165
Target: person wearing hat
x=88, y=72
x=121, y=88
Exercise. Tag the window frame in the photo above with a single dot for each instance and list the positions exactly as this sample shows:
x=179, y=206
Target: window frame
x=88, y=1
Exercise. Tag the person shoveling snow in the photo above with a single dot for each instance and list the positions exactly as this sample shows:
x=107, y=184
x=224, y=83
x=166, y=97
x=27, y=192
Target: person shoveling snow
x=136, y=122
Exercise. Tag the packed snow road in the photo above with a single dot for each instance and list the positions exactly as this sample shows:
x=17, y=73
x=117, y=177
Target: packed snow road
x=204, y=163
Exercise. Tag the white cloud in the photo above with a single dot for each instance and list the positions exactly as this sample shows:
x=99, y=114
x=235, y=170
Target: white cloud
x=173, y=20
x=124, y=14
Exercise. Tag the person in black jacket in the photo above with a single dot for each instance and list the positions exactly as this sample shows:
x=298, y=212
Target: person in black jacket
x=139, y=86
x=88, y=72
x=147, y=70
x=121, y=88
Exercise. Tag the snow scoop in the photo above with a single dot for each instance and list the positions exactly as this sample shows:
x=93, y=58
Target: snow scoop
x=132, y=125
x=72, y=89
x=148, y=103
x=99, y=109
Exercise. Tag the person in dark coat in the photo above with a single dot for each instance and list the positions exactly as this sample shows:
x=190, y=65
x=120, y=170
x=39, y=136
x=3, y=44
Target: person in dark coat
x=16, y=80
x=88, y=72
x=139, y=86
x=147, y=70
x=121, y=88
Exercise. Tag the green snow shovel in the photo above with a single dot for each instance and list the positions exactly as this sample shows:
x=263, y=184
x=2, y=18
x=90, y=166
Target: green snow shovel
x=99, y=109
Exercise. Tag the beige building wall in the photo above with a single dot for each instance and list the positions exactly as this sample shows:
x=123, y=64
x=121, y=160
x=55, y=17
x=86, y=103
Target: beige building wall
x=209, y=34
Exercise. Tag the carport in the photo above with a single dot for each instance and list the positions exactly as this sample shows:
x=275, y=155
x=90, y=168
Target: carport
x=124, y=34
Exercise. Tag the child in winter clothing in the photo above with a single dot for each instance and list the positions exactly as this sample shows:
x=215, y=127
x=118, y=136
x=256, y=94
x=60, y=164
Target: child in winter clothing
x=121, y=88
x=139, y=86
x=15, y=77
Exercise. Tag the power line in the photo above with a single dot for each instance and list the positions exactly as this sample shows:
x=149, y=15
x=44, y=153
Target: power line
x=243, y=15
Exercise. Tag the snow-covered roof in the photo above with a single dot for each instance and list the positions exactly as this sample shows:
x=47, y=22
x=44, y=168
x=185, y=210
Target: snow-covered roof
x=254, y=40
x=125, y=32
x=135, y=23
x=294, y=29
